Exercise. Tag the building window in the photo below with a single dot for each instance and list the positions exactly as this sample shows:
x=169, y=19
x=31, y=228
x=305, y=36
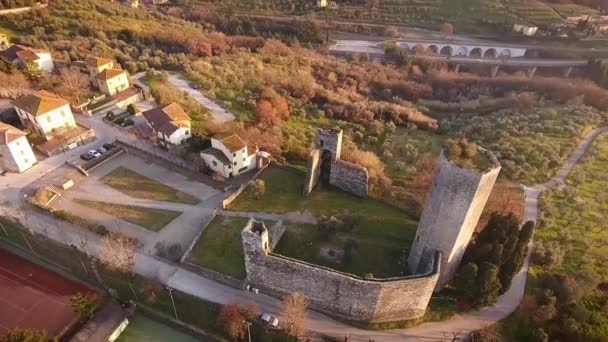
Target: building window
x=321, y=143
x=48, y=118
x=22, y=153
x=187, y=132
x=17, y=143
x=234, y=163
x=214, y=163
x=26, y=160
x=234, y=155
x=244, y=159
x=63, y=114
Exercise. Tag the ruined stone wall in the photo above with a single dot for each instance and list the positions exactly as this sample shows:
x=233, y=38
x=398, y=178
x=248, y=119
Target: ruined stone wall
x=313, y=171
x=453, y=207
x=349, y=177
x=337, y=293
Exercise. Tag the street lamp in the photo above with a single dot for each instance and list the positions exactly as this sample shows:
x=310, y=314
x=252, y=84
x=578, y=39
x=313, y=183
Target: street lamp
x=248, y=324
x=172, y=301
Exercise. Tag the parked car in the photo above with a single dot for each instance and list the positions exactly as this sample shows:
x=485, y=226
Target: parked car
x=109, y=146
x=269, y=320
x=94, y=153
x=195, y=86
x=86, y=156
x=102, y=150
x=253, y=289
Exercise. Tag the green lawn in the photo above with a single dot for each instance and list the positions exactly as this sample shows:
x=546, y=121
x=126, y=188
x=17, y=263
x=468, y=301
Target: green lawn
x=137, y=185
x=382, y=232
x=150, y=218
x=219, y=248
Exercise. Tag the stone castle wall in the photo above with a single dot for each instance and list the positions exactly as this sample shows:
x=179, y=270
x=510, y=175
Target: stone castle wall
x=453, y=207
x=337, y=293
x=349, y=177
x=314, y=171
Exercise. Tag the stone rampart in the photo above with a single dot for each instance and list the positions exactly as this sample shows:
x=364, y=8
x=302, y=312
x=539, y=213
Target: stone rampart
x=349, y=177
x=314, y=171
x=336, y=293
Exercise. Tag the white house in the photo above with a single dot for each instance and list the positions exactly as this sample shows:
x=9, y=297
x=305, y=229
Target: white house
x=45, y=113
x=24, y=56
x=16, y=154
x=170, y=124
x=112, y=81
x=230, y=156
x=95, y=65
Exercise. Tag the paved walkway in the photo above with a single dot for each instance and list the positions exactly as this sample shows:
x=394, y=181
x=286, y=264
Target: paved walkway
x=204, y=288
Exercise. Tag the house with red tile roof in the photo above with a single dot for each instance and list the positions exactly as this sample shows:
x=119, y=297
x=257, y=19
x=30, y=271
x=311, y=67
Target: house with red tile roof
x=16, y=154
x=229, y=155
x=170, y=124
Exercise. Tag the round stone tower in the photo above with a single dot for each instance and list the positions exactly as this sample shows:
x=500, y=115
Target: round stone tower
x=453, y=207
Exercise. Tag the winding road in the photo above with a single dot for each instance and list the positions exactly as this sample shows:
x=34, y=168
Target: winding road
x=319, y=324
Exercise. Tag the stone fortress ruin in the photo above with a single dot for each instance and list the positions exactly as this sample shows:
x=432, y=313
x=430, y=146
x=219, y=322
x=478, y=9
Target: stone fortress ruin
x=453, y=207
x=324, y=162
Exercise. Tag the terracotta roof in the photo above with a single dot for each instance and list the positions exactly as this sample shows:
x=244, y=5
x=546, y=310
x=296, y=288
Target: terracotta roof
x=27, y=55
x=97, y=62
x=22, y=52
x=251, y=149
x=107, y=74
x=9, y=133
x=232, y=141
x=10, y=54
x=167, y=119
x=40, y=102
x=219, y=155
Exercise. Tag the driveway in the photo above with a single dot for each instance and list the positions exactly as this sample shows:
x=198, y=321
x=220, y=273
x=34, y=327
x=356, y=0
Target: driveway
x=218, y=113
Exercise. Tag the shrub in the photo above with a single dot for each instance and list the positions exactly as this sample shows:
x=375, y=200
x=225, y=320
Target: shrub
x=133, y=109
x=258, y=188
x=110, y=115
x=84, y=304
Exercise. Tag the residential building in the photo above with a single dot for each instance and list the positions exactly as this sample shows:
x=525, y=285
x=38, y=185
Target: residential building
x=45, y=113
x=16, y=154
x=230, y=156
x=24, y=56
x=112, y=81
x=95, y=65
x=170, y=124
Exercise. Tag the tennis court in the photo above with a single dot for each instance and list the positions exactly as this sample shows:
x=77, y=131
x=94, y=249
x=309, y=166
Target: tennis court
x=32, y=297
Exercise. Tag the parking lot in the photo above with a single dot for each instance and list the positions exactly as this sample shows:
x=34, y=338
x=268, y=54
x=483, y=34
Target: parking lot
x=180, y=230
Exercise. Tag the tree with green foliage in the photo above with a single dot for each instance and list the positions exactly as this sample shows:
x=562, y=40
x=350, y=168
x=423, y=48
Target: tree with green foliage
x=132, y=109
x=466, y=279
x=488, y=285
x=84, y=304
x=28, y=335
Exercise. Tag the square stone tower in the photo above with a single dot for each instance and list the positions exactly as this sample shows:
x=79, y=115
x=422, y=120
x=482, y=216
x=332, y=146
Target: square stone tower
x=453, y=207
x=330, y=139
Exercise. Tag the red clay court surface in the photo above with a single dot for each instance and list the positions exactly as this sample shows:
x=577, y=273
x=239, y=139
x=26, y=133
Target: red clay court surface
x=34, y=297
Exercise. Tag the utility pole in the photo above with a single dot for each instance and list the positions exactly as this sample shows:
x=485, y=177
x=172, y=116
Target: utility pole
x=172, y=302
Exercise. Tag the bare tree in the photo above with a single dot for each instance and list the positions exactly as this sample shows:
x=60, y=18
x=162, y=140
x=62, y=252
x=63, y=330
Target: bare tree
x=118, y=252
x=294, y=311
x=233, y=320
x=72, y=84
x=13, y=85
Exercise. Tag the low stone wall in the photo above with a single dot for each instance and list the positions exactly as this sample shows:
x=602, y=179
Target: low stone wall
x=195, y=240
x=349, y=177
x=336, y=293
x=313, y=171
x=214, y=275
x=226, y=202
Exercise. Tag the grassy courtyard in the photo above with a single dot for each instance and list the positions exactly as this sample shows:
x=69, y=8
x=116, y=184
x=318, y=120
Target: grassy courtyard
x=382, y=234
x=137, y=185
x=219, y=248
x=150, y=218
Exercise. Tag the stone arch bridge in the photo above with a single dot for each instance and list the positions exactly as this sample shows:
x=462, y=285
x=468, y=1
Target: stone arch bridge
x=465, y=49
